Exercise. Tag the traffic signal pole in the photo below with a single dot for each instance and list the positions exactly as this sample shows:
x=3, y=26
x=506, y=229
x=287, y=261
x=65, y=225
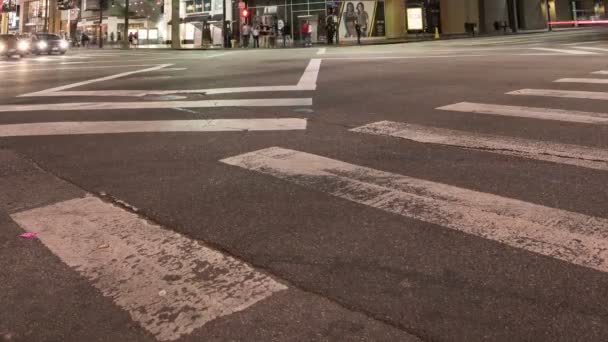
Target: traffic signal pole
x=175, y=25
x=549, y=16
x=125, y=29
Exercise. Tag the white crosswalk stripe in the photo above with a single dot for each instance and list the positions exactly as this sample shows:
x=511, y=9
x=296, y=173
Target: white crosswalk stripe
x=168, y=283
x=86, y=106
x=565, y=51
x=568, y=236
x=592, y=48
x=583, y=80
x=594, y=158
x=112, y=127
x=528, y=112
x=600, y=72
x=573, y=94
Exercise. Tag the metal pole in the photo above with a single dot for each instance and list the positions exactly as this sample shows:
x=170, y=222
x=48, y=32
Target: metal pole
x=175, y=25
x=549, y=16
x=125, y=29
x=100, y=35
x=224, y=30
x=46, y=16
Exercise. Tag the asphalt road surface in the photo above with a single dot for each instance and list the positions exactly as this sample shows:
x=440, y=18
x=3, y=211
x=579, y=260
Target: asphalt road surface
x=436, y=191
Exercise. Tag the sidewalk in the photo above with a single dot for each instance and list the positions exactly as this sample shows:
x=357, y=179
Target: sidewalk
x=380, y=41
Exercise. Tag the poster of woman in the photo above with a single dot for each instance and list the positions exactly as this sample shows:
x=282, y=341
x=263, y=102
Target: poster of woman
x=368, y=14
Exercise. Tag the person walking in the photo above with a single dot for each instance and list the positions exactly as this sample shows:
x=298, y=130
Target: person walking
x=130, y=39
x=358, y=30
x=246, y=31
x=286, y=33
x=256, y=37
x=304, y=32
x=309, y=36
x=331, y=30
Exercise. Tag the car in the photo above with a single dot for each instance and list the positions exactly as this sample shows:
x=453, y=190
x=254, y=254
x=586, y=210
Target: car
x=11, y=46
x=48, y=43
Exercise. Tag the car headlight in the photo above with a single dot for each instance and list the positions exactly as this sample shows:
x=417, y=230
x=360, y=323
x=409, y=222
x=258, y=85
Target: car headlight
x=63, y=44
x=42, y=45
x=23, y=46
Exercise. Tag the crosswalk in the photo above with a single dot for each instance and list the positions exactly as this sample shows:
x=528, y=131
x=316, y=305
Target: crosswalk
x=572, y=237
x=193, y=284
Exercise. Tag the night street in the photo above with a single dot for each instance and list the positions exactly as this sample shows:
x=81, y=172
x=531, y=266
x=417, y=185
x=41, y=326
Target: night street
x=450, y=190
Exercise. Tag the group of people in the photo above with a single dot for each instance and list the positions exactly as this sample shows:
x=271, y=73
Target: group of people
x=264, y=35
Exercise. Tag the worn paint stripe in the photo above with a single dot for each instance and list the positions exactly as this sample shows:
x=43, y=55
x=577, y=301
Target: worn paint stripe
x=85, y=106
x=528, y=112
x=308, y=80
x=589, y=157
x=583, y=80
x=573, y=94
x=101, y=79
x=564, y=235
x=109, y=127
x=601, y=72
x=168, y=283
x=592, y=48
x=569, y=52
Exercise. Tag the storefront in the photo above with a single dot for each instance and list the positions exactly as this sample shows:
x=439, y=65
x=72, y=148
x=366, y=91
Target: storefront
x=9, y=16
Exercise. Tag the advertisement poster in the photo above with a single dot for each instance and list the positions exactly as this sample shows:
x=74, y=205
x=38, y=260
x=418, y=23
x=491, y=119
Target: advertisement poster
x=414, y=19
x=369, y=14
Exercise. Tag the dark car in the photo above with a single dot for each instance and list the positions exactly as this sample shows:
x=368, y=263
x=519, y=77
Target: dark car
x=48, y=43
x=11, y=46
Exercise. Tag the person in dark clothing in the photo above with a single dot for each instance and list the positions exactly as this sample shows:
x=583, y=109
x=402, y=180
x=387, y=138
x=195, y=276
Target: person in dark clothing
x=286, y=33
x=358, y=29
x=331, y=30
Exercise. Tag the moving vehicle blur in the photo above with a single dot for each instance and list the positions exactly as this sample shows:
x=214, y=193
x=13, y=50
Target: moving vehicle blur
x=48, y=43
x=11, y=46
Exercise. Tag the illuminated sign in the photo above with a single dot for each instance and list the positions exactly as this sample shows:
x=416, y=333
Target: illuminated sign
x=414, y=19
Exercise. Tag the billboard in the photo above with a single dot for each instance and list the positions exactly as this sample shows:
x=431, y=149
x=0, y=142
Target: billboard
x=369, y=15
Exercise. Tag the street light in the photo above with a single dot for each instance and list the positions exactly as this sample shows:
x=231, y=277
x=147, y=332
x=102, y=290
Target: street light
x=549, y=16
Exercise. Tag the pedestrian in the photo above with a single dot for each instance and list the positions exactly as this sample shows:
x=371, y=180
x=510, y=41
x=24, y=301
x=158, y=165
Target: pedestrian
x=358, y=30
x=136, y=38
x=130, y=39
x=256, y=37
x=331, y=30
x=286, y=33
x=304, y=32
x=84, y=40
x=246, y=32
x=309, y=36
x=272, y=36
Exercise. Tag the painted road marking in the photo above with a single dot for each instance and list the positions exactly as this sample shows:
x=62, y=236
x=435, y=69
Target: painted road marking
x=560, y=234
x=22, y=70
x=108, y=127
x=85, y=106
x=321, y=51
x=143, y=260
x=107, y=78
x=400, y=57
x=573, y=94
x=528, y=112
x=582, y=156
x=583, y=80
x=307, y=82
x=569, y=52
x=591, y=48
x=601, y=72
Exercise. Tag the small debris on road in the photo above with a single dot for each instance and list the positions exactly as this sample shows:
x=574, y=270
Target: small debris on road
x=28, y=235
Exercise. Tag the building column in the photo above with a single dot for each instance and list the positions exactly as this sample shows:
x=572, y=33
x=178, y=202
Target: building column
x=394, y=16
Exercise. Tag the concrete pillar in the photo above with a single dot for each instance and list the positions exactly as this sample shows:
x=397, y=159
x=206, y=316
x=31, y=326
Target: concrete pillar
x=394, y=17
x=533, y=14
x=454, y=13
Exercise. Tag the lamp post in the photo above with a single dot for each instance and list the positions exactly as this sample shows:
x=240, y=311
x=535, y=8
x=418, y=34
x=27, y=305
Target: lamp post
x=125, y=29
x=549, y=16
